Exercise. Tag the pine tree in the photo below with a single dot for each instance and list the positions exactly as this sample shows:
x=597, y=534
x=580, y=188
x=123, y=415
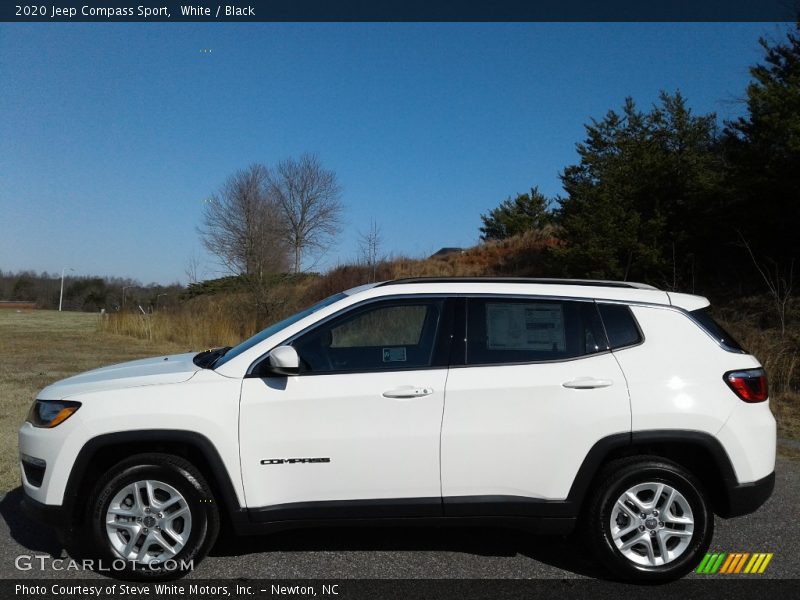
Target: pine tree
x=515, y=216
x=630, y=200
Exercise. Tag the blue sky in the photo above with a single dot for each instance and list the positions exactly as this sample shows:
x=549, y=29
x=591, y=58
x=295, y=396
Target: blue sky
x=112, y=135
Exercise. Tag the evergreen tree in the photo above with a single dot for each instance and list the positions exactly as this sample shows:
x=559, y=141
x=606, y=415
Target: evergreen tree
x=515, y=216
x=763, y=151
x=637, y=200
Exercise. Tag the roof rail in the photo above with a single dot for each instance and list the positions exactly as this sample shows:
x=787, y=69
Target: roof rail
x=537, y=280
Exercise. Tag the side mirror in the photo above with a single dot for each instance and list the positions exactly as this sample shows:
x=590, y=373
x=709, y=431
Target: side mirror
x=284, y=360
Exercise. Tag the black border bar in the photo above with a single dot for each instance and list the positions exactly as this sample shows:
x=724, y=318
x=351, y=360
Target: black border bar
x=95, y=11
x=730, y=588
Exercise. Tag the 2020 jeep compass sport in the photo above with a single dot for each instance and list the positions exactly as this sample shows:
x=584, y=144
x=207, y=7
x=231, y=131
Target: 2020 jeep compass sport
x=547, y=404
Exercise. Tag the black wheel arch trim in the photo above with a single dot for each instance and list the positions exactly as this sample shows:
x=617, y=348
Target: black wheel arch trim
x=706, y=440
x=219, y=475
x=735, y=498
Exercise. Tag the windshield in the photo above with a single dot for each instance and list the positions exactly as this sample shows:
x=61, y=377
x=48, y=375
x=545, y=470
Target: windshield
x=273, y=329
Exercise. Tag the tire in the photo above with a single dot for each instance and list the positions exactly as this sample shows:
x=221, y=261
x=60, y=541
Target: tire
x=675, y=533
x=163, y=534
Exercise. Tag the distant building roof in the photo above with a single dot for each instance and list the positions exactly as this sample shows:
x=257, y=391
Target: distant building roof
x=445, y=251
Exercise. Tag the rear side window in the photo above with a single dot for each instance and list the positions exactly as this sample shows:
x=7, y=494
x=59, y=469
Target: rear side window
x=715, y=330
x=506, y=330
x=621, y=327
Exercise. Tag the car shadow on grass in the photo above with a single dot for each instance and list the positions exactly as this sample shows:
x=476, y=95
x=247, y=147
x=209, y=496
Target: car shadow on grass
x=31, y=535
x=562, y=552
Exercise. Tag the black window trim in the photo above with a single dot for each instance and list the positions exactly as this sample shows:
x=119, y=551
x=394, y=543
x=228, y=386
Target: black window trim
x=727, y=347
x=685, y=312
x=446, y=316
x=635, y=323
x=455, y=303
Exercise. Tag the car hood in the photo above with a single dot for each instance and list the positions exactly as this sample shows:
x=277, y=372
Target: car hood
x=148, y=371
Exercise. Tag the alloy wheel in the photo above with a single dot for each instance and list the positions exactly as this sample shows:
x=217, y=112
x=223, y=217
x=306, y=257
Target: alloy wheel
x=148, y=521
x=652, y=524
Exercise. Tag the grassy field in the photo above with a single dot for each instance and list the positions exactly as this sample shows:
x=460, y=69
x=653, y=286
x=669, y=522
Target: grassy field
x=40, y=347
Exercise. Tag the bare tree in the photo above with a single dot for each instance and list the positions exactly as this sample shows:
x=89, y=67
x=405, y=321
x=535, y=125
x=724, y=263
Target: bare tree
x=369, y=246
x=192, y=269
x=778, y=279
x=309, y=197
x=243, y=226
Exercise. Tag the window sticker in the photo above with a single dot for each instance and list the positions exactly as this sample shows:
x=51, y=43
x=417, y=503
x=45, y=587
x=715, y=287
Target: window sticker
x=518, y=326
x=394, y=354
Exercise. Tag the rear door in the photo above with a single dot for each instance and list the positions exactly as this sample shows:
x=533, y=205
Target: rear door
x=537, y=387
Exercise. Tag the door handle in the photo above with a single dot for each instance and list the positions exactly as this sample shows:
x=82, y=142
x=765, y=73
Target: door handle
x=408, y=391
x=587, y=383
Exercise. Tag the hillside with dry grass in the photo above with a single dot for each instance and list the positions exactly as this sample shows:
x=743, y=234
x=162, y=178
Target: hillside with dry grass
x=224, y=312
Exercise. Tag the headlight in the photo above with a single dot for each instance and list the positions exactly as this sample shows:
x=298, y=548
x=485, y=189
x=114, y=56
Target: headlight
x=49, y=413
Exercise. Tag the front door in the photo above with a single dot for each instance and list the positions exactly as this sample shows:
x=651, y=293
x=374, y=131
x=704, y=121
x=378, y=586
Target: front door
x=357, y=432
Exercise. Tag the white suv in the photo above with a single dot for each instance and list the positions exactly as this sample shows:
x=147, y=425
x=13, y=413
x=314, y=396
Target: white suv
x=534, y=403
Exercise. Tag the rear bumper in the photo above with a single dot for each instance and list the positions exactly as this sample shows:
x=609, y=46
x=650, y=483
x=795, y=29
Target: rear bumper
x=744, y=498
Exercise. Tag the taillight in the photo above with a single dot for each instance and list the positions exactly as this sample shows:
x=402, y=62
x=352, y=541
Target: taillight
x=750, y=385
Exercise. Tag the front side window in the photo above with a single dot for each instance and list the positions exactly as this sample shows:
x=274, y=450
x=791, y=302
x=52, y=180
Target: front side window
x=380, y=336
x=506, y=330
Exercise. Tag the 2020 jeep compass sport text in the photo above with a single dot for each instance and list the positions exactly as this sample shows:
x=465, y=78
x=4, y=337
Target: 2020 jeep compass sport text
x=614, y=408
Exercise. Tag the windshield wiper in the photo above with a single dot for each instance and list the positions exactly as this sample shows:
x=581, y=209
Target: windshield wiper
x=207, y=358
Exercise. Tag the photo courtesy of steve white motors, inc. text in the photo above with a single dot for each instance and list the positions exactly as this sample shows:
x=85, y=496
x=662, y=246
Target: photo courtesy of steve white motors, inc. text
x=194, y=590
x=54, y=11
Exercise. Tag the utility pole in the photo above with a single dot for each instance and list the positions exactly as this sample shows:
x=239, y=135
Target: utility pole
x=61, y=295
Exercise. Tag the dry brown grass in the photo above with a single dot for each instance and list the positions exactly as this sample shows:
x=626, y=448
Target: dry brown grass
x=790, y=452
x=40, y=347
x=200, y=323
x=214, y=320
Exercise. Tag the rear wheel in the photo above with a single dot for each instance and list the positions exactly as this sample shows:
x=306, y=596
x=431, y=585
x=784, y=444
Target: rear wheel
x=649, y=520
x=154, y=514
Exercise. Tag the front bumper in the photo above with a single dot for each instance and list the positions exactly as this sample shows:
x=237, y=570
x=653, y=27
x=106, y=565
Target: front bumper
x=744, y=498
x=54, y=449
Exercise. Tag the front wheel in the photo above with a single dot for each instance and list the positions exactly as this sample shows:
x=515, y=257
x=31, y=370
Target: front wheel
x=153, y=517
x=649, y=520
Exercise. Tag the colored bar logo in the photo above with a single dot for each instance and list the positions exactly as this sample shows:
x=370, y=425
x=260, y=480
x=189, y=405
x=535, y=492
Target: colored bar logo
x=734, y=563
